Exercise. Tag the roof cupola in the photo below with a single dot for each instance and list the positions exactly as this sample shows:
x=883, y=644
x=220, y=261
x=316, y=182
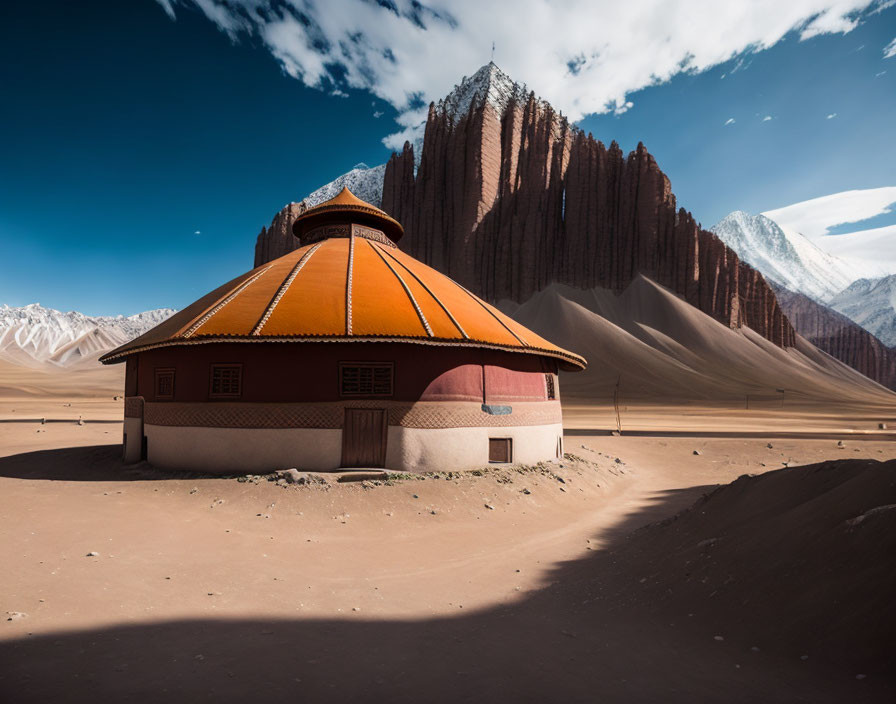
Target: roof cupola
x=344, y=216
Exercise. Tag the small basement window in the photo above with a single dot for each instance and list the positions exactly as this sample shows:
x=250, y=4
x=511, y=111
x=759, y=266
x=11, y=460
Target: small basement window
x=500, y=450
x=165, y=384
x=226, y=381
x=366, y=378
x=551, y=386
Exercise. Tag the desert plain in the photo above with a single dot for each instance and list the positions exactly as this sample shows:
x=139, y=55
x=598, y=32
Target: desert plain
x=731, y=556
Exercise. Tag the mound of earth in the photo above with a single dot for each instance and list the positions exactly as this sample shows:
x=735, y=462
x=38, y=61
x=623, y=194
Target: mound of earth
x=798, y=562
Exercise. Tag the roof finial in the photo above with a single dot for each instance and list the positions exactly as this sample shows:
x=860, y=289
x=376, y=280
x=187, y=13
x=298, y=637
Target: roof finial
x=493, y=53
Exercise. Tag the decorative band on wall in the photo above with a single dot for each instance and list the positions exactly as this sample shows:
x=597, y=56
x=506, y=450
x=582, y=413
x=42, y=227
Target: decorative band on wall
x=133, y=407
x=331, y=415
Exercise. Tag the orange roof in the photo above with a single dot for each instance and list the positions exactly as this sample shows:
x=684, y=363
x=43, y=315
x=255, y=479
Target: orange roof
x=345, y=289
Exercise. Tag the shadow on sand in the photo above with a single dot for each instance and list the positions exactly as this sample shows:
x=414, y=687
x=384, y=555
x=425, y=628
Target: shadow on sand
x=91, y=463
x=586, y=636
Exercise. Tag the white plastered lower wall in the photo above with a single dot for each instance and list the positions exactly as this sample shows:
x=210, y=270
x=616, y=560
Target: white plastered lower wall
x=226, y=450
x=440, y=449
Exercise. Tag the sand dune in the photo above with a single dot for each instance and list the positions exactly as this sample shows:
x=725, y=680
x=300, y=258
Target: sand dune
x=83, y=380
x=660, y=347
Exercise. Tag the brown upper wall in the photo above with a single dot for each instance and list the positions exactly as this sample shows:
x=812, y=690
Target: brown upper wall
x=291, y=372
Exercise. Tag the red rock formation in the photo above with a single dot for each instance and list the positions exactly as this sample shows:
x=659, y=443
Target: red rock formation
x=277, y=240
x=509, y=198
x=507, y=203
x=841, y=338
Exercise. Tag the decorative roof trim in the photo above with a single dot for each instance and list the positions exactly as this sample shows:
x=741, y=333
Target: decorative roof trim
x=488, y=310
x=348, y=284
x=223, y=302
x=429, y=291
x=410, y=295
x=283, y=288
x=437, y=342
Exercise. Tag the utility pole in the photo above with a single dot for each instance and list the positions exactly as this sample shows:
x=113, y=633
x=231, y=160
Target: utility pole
x=616, y=405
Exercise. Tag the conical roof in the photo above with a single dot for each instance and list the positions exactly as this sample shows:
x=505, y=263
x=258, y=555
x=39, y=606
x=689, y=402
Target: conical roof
x=348, y=207
x=348, y=288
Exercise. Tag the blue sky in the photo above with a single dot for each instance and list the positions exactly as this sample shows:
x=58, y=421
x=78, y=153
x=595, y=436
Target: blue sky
x=125, y=132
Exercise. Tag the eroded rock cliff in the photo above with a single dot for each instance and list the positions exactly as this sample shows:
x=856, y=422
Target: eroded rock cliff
x=275, y=241
x=509, y=199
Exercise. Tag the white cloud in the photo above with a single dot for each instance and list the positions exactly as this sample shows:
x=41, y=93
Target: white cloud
x=815, y=218
x=890, y=49
x=766, y=118
x=197, y=232
x=584, y=56
x=378, y=114
x=831, y=116
x=168, y=8
x=879, y=74
x=729, y=121
x=874, y=250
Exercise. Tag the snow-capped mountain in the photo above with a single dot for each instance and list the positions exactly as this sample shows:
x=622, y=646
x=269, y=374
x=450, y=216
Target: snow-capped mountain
x=785, y=256
x=364, y=181
x=872, y=304
x=489, y=84
x=35, y=336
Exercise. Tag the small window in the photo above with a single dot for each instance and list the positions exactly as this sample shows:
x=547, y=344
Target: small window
x=164, y=383
x=500, y=450
x=551, y=386
x=226, y=381
x=366, y=378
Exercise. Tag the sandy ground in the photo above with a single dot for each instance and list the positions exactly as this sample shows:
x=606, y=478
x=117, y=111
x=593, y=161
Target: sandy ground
x=570, y=582
x=509, y=586
x=91, y=392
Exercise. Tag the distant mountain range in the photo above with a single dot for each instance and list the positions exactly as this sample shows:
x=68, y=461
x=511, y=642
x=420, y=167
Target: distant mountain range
x=36, y=336
x=872, y=304
x=828, y=299
x=853, y=287
x=785, y=256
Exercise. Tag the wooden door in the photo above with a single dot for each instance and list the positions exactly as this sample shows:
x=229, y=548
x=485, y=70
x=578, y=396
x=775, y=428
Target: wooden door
x=364, y=438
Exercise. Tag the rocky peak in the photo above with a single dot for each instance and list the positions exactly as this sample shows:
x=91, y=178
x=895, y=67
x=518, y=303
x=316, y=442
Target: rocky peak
x=784, y=255
x=489, y=85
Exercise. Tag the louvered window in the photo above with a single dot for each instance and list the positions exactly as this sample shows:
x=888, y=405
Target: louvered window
x=164, y=384
x=366, y=378
x=226, y=380
x=551, y=386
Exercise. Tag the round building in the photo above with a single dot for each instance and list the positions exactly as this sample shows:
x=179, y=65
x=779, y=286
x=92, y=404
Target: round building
x=344, y=353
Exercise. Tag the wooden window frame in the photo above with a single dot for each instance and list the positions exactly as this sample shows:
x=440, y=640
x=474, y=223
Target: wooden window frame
x=211, y=381
x=369, y=365
x=161, y=372
x=508, y=444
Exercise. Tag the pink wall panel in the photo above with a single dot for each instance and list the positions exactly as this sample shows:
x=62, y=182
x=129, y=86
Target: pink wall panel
x=292, y=372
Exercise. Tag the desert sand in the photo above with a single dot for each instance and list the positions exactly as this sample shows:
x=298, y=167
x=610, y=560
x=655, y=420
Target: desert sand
x=568, y=582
